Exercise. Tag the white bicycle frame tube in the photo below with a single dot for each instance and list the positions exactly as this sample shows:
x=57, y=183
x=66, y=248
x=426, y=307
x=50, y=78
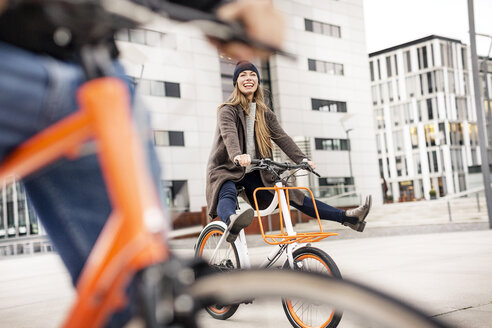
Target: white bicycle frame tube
x=240, y=243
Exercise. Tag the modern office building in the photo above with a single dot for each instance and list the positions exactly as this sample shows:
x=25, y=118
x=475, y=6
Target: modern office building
x=425, y=118
x=322, y=98
x=17, y=217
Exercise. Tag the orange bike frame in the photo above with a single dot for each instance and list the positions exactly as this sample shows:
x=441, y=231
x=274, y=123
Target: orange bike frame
x=283, y=237
x=126, y=243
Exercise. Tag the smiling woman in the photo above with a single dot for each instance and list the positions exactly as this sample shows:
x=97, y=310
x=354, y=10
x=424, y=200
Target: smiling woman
x=245, y=130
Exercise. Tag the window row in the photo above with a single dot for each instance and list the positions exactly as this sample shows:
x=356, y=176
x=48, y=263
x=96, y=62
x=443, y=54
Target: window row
x=142, y=36
x=331, y=144
x=426, y=57
x=453, y=135
x=159, y=88
x=332, y=106
x=168, y=138
x=322, y=28
x=325, y=67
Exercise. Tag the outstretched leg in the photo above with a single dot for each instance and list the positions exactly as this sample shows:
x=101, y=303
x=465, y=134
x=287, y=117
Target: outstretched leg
x=354, y=218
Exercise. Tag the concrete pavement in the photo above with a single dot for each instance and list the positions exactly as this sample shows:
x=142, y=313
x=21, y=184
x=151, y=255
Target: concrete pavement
x=444, y=268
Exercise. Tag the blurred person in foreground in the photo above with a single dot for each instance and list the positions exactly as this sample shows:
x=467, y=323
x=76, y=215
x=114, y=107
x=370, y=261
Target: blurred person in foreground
x=39, y=78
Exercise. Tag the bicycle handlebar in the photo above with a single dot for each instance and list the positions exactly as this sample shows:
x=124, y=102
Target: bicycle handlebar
x=266, y=164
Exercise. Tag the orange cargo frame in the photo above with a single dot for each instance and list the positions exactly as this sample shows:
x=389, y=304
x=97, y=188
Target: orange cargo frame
x=283, y=237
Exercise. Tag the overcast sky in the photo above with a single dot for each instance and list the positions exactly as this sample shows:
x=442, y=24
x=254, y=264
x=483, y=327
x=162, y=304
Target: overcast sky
x=393, y=22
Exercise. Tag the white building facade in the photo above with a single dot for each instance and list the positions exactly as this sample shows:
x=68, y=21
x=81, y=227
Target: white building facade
x=322, y=100
x=318, y=97
x=427, y=135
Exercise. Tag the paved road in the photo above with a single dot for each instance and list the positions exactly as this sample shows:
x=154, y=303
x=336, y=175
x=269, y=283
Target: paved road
x=448, y=273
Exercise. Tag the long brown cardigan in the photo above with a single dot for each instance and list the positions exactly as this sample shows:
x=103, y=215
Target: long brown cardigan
x=230, y=141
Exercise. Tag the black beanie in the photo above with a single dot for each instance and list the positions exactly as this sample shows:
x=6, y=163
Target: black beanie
x=244, y=66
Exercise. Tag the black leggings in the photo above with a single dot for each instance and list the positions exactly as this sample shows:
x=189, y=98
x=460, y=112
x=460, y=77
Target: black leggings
x=228, y=199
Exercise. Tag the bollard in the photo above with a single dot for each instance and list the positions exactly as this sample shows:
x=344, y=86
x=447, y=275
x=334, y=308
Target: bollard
x=449, y=212
x=478, y=202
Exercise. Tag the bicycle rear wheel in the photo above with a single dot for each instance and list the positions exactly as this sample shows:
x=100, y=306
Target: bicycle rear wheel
x=303, y=314
x=368, y=304
x=226, y=259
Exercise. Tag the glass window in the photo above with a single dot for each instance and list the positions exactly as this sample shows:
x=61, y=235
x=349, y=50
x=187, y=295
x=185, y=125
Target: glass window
x=396, y=65
x=161, y=138
x=463, y=58
x=172, y=90
x=312, y=64
x=153, y=38
x=379, y=115
x=407, y=61
x=390, y=90
x=176, y=138
x=169, y=138
x=375, y=95
x=371, y=70
x=430, y=136
x=317, y=27
x=176, y=193
x=137, y=36
x=388, y=66
x=329, y=105
x=144, y=87
x=325, y=67
x=157, y=88
x=11, y=230
x=396, y=115
x=417, y=163
x=379, y=69
x=442, y=134
x=322, y=28
x=398, y=140
x=122, y=35
x=414, y=137
x=410, y=86
x=308, y=24
x=331, y=144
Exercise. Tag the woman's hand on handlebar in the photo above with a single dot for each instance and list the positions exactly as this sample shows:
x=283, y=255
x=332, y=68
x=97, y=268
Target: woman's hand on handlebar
x=243, y=160
x=311, y=163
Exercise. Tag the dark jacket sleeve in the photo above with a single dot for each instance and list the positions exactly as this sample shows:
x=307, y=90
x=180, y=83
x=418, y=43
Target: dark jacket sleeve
x=227, y=122
x=278, y=135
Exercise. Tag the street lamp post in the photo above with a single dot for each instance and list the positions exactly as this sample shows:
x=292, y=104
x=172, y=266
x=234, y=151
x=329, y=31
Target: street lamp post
x=480, y=114
x=485, y=69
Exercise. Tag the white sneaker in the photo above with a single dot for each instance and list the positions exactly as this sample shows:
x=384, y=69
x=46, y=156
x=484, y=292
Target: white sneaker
x=238, y=222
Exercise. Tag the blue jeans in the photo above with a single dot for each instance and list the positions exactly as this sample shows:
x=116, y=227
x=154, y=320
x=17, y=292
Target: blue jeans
x=228, y=199
x=69, y=196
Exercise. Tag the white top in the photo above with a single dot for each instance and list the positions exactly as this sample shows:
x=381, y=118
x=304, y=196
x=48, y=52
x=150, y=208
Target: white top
x=250, y=134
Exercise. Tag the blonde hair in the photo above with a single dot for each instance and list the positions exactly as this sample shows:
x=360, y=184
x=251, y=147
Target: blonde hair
x=238, y=99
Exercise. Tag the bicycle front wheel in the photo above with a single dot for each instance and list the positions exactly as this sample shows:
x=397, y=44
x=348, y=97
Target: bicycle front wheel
x=303, y=314
x=225, y=259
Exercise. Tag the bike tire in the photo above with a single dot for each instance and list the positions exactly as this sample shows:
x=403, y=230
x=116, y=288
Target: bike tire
x=206, y=243
x=366, y=302
x=300, y=313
